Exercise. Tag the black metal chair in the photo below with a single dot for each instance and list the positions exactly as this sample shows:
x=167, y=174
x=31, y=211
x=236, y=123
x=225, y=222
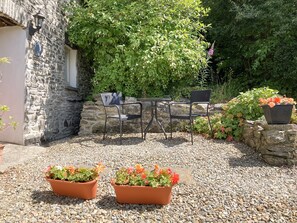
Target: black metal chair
x=201, y=97
x=114, y=108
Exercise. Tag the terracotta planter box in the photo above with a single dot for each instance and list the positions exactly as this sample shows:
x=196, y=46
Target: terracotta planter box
x=86, y=190
x=279, y=114
x=142, y=194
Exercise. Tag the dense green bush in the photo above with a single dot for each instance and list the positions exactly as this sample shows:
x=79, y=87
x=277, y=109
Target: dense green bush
x=245, y=106
x=144, y=47
x=257, y=40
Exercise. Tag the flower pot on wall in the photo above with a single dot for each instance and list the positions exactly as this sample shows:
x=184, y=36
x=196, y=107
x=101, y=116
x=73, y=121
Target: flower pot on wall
x=86, y=190
x=126, y=194
x=1, y=152
x=279, y=114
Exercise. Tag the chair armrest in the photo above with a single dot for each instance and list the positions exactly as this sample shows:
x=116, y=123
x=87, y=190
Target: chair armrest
x=201, y=102
x=112, y=106
x=133, y=103
x=173, y=103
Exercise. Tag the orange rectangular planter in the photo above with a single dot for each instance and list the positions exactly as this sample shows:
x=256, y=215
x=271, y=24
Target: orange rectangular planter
x=85, y=190
x=126, y=194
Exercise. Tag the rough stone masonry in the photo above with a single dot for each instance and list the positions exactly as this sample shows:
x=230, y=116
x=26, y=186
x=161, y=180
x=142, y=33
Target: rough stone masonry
x=52, y=109
x=277, y=144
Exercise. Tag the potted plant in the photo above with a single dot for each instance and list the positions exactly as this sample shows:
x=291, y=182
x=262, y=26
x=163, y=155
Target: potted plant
x=140, y=186
x=4, y=125
x=79, y=182
x=277, y=110
x=4, y=109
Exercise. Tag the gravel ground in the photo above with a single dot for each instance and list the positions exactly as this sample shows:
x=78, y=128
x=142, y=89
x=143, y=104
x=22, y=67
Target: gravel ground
x=220, y=182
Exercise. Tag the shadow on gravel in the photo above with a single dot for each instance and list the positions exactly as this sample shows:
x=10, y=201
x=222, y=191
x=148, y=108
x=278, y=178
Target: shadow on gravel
x=116, y=141
x=250, y=157
x=50, y=198
x=109, y=202
x=110, y=140
x=173, y=142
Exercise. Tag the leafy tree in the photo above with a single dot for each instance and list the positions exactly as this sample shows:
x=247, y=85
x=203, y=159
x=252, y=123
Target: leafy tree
x=143, y=47
x=257, y=40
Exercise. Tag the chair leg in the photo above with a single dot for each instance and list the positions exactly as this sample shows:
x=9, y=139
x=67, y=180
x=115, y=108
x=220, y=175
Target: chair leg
x=104, y=131
x=121, y=126
x=210, y=126
x=141, y=128
x=191, y=126
x=170, y=127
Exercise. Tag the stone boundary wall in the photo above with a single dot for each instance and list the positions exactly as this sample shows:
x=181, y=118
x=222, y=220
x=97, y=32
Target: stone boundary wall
x=93, y=117
x=277, y=144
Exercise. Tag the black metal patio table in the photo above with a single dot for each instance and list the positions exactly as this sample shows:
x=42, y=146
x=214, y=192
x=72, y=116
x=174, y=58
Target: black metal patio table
x=154, y=112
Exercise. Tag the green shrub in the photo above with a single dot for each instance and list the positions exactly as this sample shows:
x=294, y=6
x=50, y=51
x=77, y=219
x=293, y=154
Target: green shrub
x=225, y=90
x=245, y=106
x=294, y=117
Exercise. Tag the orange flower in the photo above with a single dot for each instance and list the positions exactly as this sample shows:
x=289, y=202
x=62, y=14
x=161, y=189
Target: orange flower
x=71, y=169
x=271, y=104
x=139, y=168
x=143, y=176
x=262, y=101
x=140, y=176
x=277, y=100
x=99, y=168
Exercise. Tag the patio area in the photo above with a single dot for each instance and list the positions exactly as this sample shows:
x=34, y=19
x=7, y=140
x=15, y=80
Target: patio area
x=219, y=182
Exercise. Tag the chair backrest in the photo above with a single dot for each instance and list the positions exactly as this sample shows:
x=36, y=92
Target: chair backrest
x=200, y=96
x=111, y=98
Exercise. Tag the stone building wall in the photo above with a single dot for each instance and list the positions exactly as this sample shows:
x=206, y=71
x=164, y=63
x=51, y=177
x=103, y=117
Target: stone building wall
x=277, y=144
x=52, y=110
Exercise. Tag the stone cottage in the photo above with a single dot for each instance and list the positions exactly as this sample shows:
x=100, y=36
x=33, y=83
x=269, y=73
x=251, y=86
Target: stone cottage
x=46, y=80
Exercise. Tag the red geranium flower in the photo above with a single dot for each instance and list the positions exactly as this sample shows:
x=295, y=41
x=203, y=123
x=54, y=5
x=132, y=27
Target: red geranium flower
x=174, y=178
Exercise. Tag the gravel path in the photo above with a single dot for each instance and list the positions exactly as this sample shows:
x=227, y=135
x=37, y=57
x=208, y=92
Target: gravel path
x=220, y=182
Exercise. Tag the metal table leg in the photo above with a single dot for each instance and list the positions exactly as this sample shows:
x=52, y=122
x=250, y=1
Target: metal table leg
x=154, y=115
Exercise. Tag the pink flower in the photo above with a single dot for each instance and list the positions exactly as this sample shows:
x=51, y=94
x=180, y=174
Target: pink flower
x=229, y=138
x=48, y=168
x=130, y=169
x=169, y=171
x=211, y=50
